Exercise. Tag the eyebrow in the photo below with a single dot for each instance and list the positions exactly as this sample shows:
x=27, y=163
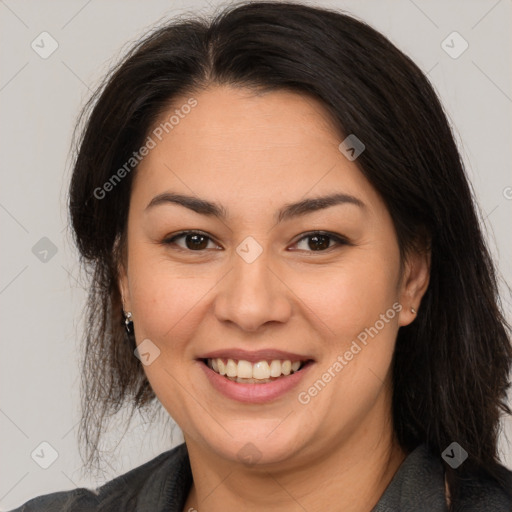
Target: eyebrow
x=288, y=211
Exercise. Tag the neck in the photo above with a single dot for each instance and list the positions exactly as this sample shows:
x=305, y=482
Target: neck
x=352, y=475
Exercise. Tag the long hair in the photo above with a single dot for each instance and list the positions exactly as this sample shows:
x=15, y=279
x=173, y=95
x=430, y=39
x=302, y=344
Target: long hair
x=451, y=366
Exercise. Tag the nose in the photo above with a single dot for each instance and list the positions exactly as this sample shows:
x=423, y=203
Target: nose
x=252, y=295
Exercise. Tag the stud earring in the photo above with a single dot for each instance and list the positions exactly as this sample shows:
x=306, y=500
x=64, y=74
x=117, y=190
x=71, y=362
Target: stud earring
x=413, y=311
x=128, y=322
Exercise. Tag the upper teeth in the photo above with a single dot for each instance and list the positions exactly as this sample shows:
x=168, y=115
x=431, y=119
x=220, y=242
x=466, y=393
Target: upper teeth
x=247, y=370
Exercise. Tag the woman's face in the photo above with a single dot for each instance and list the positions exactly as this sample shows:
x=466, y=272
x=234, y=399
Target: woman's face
x=258, y=283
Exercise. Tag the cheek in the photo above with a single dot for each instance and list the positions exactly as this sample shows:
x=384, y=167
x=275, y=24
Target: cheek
x=165, y=304
x=361, y=310
x=350, y=297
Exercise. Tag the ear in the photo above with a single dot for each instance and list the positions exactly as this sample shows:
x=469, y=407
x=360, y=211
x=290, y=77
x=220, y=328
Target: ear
x=414, y=283
x=122, y=282
x=122, y=275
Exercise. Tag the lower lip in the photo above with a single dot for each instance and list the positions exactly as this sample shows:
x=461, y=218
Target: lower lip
x=255, y=393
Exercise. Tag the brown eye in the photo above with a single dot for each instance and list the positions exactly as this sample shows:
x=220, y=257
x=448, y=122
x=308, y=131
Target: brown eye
x=193, y=241
x=196, y=242
x=319, y=241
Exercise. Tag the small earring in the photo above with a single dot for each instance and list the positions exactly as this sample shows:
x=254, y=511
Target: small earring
x=413, y=311
x=128, y=322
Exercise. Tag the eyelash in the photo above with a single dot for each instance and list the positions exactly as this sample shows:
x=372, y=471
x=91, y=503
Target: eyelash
x=338, y=239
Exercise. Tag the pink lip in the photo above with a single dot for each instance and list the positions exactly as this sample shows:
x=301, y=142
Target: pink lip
x=255, y=393
x=255, y=356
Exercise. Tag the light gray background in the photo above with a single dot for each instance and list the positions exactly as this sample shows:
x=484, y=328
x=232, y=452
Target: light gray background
x=41, y=302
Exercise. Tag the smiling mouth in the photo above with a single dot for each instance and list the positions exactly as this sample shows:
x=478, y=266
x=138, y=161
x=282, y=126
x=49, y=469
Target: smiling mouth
x=261, y=372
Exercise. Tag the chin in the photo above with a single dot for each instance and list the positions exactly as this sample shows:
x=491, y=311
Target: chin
x=257, y=447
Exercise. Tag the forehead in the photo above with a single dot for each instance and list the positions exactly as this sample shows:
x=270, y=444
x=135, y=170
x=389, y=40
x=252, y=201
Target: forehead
x=228, y=118
x=243, y=143
x=250, y=110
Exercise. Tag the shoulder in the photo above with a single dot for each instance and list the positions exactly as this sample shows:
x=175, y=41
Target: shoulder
x=477, y=491
x=480, y=492
x=419, y=486
x=78, y=499
x=125, y=492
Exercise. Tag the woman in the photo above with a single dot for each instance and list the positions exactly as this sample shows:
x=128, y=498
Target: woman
x=279, y=227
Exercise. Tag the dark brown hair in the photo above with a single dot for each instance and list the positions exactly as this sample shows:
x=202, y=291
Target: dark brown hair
x=451, y=365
